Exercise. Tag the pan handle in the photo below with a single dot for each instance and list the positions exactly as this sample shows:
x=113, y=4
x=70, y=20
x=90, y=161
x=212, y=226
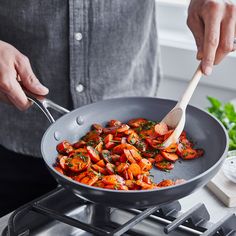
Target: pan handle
x=44, y=104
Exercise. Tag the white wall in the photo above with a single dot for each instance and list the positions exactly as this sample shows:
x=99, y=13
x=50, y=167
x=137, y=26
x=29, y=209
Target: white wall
x=173, y=88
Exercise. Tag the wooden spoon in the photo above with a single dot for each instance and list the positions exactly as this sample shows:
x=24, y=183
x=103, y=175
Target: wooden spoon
x=175, y=119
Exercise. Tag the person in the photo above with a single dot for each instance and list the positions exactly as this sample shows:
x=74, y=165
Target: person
x=82, y=51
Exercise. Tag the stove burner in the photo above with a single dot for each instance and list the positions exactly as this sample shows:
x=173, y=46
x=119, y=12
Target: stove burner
x=78, y=217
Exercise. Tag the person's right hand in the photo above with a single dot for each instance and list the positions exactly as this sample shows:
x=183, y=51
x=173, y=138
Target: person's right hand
x=15, y=69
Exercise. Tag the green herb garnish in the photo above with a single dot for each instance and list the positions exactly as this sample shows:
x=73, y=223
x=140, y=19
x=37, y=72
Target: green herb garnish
x=148, y=125
x=226, y=114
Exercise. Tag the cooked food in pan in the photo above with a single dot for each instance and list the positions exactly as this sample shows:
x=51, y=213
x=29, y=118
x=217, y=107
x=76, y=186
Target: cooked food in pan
x=120, y=156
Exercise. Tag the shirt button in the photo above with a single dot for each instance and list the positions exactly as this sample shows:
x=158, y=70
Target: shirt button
x=79, y=88
x=78, y=36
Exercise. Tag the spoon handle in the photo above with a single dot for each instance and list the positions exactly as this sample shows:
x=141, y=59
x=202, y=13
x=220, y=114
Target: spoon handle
x=183, y=102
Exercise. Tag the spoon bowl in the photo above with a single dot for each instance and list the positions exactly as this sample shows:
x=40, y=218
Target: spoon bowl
x=176, y=118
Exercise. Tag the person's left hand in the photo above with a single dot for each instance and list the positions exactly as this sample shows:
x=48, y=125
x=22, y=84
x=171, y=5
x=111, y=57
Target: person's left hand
x=212, y=23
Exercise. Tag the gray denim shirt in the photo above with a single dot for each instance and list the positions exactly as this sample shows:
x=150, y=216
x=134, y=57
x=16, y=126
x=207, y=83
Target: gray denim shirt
x=83, y=51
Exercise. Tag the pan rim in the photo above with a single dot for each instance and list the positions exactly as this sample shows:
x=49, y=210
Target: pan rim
x=137, y=191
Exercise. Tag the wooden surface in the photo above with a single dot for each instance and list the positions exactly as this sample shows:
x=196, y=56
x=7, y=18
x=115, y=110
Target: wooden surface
x=224, y=189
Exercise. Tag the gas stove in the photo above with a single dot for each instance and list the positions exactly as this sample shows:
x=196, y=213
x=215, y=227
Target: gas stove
x=61, y=213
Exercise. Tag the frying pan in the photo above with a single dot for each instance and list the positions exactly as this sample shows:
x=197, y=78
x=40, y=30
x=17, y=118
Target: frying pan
x=201, y=127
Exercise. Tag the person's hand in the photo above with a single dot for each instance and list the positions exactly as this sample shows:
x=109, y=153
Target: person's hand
x=15, y=69
x=212, y=23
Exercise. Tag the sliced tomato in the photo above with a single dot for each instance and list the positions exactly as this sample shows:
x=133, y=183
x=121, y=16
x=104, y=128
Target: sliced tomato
x=64, y=147
x=152, y=160
x=130, y=184
x=112, y=179
x=122, y=187
x=170, y=156
x=115, y=157
x=129, y=131
x=130, y=174
x=110, y=145
x=99, y=169
x=135, y=169
x=123, y=158
x=180, y=148
x=81, y=176
x=112, y=123
x=154, y=143
x=119, y=149
x=92, y=180
x=186, y=142
x=133, y=138
x=168, y=134
x=117, y=139
x=79, y=144
x=183, y=135
x=101, y=163
x=99, y=184
x=166, y=183
x=98, y=128
x=122, y=167
x=200, y=152
x=140, y=177
x=78, y=163
x=164, y=165
x=119, y=135
x=80, y=150
x=150, y=133
x=147, y=179
x=110, y=168
x=159, y=158
x=161, y=128
x=110, y=130
x=144, y=185
x=116, y=186
x=108, y=138
x=99, y=147
x=145, y=164
x=189, y=153
x=93, y=154
x=85, y=180
x=135, y=123
x=129, y=156
x=141, y=145
x=172, y=148
x=135, y=155
x=62, y=162
x=59, y=169
x=150, y=153
x=125, y=174
x=106, y=155
x=92, y=137
x=122, y=128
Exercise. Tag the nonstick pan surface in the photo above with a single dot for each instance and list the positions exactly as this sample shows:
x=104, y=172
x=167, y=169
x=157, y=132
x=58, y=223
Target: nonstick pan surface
x=201, y=127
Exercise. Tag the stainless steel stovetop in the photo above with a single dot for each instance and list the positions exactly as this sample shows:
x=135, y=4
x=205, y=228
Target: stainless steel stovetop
x=198, y=214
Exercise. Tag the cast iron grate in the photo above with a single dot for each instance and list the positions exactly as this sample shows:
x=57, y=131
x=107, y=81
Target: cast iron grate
x=195, y=221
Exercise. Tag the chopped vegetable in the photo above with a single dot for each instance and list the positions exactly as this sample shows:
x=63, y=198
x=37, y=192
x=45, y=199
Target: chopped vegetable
x=170, y=156
x=120, y=156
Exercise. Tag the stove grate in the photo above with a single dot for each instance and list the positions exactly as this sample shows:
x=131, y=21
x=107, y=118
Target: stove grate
x=195, y=221
x=197, y=215
x=226, y=226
